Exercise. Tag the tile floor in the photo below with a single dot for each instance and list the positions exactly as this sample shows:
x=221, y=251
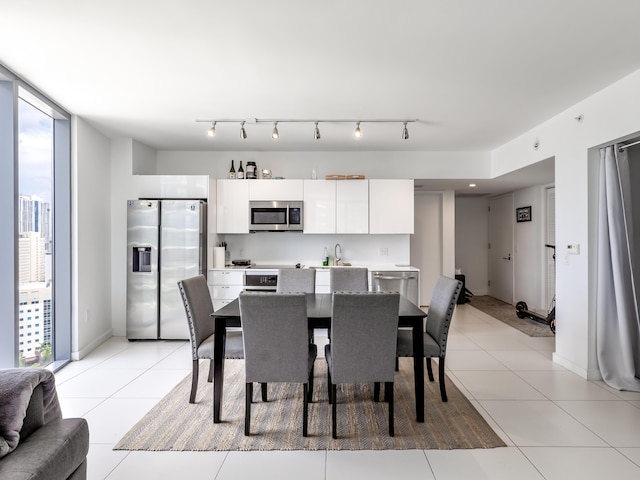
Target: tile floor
x=556, y=425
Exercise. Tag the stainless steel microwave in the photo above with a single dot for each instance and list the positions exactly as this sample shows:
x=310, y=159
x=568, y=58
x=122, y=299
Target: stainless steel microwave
x=277, y=216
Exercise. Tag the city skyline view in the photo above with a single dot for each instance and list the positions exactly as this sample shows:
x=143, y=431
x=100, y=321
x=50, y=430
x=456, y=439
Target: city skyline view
x=35, y=167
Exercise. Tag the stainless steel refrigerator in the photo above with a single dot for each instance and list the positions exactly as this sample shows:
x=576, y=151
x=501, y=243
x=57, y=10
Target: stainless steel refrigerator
x=166, y=242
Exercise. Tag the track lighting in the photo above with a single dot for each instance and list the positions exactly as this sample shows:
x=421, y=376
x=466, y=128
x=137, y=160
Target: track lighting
x=405, y=132
x=357, y=132
x=275, y=134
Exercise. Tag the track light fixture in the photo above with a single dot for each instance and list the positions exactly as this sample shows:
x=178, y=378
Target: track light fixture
x=275, y=133
x=357, y=132
x=405, y=132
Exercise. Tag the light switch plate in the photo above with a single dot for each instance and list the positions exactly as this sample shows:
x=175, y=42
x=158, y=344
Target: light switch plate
x=573, y=249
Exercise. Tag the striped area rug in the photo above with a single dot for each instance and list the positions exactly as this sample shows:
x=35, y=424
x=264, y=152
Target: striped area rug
x=174, y=424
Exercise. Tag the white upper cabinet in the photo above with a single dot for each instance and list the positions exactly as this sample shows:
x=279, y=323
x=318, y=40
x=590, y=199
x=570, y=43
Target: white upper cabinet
x=319, y=206
x=336, y=206
x=352, y=206
x=281, y=190
x=390, y=206
x=232, y=206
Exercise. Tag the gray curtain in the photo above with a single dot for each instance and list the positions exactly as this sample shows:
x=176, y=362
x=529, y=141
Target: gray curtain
x=618, y=324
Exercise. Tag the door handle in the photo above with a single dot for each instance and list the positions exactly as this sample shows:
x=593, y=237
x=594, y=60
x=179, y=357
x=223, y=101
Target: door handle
x=508, y=257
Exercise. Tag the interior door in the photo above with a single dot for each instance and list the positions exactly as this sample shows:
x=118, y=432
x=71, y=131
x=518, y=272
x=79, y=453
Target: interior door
x=501, y=218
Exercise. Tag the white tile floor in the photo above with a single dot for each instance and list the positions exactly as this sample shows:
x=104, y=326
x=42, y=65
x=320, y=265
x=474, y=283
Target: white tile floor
x=556, y=425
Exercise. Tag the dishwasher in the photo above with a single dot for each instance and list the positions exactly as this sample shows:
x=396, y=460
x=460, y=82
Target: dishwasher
x=403, y=281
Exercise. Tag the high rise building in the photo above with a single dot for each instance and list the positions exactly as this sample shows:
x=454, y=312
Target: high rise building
x=34, y=324
x=35, y=216
x=32, y=257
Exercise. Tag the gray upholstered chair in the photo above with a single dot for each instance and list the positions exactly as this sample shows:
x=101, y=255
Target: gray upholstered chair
x=292, y=280
x=296, y=280
x=443, y=302
x=276, y=346
x=349, y=279
x=364, y=329
x=198, y=307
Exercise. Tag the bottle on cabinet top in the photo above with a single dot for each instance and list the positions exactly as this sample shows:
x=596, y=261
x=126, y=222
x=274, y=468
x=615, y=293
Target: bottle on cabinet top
x=240, y=171
x=232, y=171
x=252, y=171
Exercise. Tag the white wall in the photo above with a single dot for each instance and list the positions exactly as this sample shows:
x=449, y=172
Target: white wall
x=91, y=251
x=299, y=164
x=609, y=115
x=472, y=240
x=144, y=159
x=124, y=187
x=275, y=248
x=427, y=242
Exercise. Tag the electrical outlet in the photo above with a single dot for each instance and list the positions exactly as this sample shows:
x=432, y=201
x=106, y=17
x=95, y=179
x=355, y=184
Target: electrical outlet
x=383, y=252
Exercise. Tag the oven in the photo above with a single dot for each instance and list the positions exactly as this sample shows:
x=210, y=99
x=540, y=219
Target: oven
x=260, y=281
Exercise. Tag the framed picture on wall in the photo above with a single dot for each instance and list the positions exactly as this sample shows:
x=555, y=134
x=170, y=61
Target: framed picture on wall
x=523, y=214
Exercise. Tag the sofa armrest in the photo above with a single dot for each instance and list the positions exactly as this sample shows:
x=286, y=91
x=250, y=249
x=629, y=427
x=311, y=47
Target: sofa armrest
x=52, y=452
x=34, y=417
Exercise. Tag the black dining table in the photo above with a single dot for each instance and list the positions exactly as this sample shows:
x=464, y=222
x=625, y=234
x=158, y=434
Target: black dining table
x=319, y=316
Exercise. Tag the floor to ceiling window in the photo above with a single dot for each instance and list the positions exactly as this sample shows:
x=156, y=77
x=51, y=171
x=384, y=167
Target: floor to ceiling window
x=35, y=235
x=35, y=320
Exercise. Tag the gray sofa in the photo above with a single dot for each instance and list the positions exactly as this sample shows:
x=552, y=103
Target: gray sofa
x=35, y=441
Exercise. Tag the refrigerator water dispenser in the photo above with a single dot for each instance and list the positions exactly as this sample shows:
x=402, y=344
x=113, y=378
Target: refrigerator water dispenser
x=141, y=259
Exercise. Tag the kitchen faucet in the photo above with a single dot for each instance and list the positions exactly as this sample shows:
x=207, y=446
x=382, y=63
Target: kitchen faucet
x=337, y=259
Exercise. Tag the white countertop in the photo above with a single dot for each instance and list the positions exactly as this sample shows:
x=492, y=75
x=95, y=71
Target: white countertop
x=382, y=268
x=379, y=267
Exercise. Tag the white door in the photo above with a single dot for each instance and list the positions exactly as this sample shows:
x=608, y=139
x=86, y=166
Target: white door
x=501, y=218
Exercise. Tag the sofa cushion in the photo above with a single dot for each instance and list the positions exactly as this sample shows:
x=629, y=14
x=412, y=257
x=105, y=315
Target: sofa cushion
x=54, y=451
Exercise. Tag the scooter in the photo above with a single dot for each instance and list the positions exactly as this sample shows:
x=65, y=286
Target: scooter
x=522, y=310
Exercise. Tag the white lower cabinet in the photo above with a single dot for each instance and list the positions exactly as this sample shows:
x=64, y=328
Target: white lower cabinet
x=322, y=281
x=224, y=286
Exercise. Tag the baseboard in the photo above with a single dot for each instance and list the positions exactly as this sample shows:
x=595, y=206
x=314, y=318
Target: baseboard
x=578, y=370
x=87, y=349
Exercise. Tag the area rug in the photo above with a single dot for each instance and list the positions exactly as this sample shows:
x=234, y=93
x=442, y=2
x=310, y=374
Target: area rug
x=174, y=424
x=506, y=313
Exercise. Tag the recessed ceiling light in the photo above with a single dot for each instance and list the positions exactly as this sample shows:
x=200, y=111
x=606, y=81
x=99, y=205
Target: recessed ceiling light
x=472, y=185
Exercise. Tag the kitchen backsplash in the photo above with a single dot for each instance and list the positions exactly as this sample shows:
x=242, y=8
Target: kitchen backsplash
x=292, y=247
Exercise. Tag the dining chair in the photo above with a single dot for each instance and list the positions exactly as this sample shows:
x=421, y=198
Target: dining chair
x=291, y=280
x=296, y=280
x=443, y=302
x=364, y=327
x=198, y=308
x=349, y=279
x=276, y=345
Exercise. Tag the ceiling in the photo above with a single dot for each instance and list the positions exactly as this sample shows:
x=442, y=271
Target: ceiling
x=474, y=74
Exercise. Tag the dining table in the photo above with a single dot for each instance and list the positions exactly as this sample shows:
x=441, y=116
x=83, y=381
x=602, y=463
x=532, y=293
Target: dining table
x=319, y=306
